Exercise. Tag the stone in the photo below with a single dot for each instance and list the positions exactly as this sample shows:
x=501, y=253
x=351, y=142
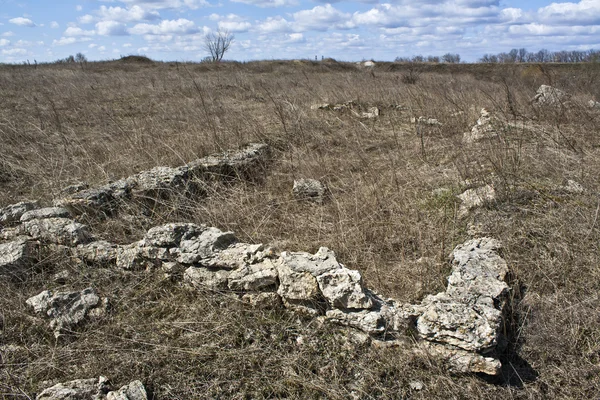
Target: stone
x=205, y=245
x=79, y=389
x=58, y=230
x=203, y=278
x=368, y=64
x=17, y=256
x=138, y=256
x=309, y=189
x=416, y=385
x=298, y=289
x=594, y=104
x=371, y=322
x=134, y=391
x=99, y=252
x=372, y=112
x=65, y=309
x=12, y=213
x=321, y=106
x=425, y=121
x=461, y=361
x=170, y=235
x=74, y=188
x=237, y=255
x=159, y=182
x=47, y=212
x=254, y=277
x=484, y=128
x=476, y=197
x=550, y=96
x=263, y=300
x=573, y=187
x=343, y=288
x=235, y=164
x=316, y=264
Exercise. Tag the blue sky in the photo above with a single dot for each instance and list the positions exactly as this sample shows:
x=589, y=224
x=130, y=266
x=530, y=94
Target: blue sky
x=45, y=30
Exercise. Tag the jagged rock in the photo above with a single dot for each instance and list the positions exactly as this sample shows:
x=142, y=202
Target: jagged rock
x=550, y=96
x=78, y=389
x=237, y=255
x=371, y=322
x=170, y=235
x=134, y=391
x=483, y=129
x=137, y=256
x=159, y=181
x=372, y=112
x=99, y=252
x=242, y=163
x=468, y=315
x=66, y=309
x=461, y=361
x=309, y=189
x=343, y=288
x=254, y=277
x=97, y=200
x=47, y=212
x=203, y=278
x=204, y=245
x=298, y=289
x=58, y=230
x=12, y=213
x=476, y=197
x=17, y=256
x=316, y=264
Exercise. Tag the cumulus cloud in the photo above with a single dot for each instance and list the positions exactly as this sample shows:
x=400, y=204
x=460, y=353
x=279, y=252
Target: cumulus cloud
x=586, y=12
x=322, y=18
x=75, y=31
x=4, y=42
x=111, y=28
x=133, y=14
x=14, y=52
x=268, y=3
x=179, y=26
x=275, y=24
x=231, y=22
x=64, y=41
x=22, y=22
x=162, y=4
x=8, y=34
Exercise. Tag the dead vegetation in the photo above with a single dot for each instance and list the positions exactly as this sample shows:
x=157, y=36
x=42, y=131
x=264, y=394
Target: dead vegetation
x=391, y=212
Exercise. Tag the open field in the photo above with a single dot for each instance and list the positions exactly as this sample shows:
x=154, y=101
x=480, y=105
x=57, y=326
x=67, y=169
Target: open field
x=385, y=216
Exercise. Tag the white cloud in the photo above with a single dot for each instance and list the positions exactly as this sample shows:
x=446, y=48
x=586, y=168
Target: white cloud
x=79, y=7
x=180, y=26
x=22, y=21
x=268, y=3
x=92, y=45
x=275, y=24
x=4, y=42
x=102, y=48
x=14, y=52
x=54, y=25
x=322, y=18
x=74, y=31
x=163, y=4
x=586, y=12
x=235, y=26
x=127, y=45
x=86, y=19
x=63, y=41
x=111, y=28
x=8, y=34
x=133, y=14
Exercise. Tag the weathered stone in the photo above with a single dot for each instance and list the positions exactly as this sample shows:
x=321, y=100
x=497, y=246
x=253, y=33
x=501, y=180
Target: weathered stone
x=74, y=188
x=243, y=163
x=203, y=278
x=266, y=300
x=159, y=181
x=47, y=212
x=298, y=289
x=461, y=361
x=476, y=197
x=342, y=288
x=371, y=322
x=425, y=121
x=134, y=391
x=322, y=261
x=205, y=245
x=573, y=187
x=550, y=96
x=309, y=189
x=594, y=104
x=138, y=256
x=237, y=255
x=58, y=230
x=372, y=112
x=170, y=235
x=66, y=309
x=12, y=213
x=254, y=277
x=17, y=256
x=79, y=389
x=484, y=128
x=100, y=252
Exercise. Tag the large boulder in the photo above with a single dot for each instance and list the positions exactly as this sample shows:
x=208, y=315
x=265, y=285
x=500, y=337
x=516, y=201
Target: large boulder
x=550, y=96
x=78, y=389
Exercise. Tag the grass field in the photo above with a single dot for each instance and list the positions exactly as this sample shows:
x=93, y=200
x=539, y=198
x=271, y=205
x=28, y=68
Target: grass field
x=385, y=216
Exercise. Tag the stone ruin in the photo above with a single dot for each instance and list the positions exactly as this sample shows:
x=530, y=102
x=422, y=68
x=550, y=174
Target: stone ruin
x=462, y=324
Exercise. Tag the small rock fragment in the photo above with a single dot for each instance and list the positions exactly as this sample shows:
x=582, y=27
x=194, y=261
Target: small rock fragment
x=309, y=189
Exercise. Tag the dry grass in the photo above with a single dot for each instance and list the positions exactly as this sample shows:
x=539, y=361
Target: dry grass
x=62, y=124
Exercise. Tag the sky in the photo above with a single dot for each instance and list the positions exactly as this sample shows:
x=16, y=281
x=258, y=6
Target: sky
x=174, y=30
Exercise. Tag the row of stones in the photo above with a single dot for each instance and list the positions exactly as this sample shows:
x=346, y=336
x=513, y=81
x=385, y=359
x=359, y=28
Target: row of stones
x=464, y=319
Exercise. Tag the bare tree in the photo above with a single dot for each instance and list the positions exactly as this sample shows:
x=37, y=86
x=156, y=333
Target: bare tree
x=217, y=43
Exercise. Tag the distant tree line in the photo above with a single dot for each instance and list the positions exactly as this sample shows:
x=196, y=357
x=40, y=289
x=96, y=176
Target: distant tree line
x=542, y=56
x=514, y=56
